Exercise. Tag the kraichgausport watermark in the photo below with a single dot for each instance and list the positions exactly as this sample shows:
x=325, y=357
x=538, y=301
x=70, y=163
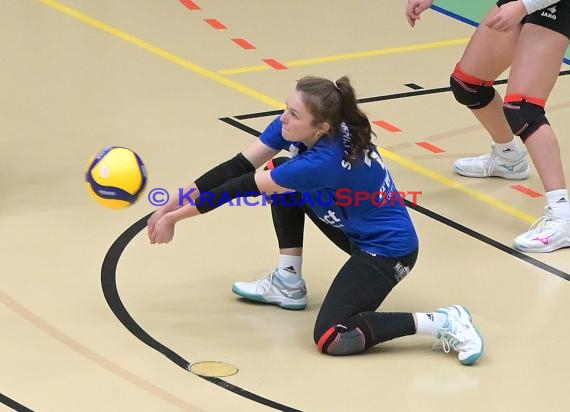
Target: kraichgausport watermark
x=341, y=197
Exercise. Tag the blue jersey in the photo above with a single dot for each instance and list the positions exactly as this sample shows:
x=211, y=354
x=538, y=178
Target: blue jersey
x=360, y=198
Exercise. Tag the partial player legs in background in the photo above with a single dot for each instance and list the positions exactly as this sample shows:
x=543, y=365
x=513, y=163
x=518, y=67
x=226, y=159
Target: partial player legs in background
x=532, y=77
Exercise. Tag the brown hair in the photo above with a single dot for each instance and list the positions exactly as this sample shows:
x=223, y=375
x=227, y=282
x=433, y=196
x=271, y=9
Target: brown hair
x=334, y=103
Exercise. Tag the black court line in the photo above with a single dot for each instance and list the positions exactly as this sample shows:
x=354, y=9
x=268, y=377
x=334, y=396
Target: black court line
x=430, y=91
x=11, y=403
x=413, y=86
x=419, y=92
x=241, y=126
x=111, y=293
x=447, y=221
x=487, y=240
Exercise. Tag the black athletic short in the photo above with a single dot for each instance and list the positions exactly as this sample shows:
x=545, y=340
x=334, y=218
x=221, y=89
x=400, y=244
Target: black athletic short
x=555, y=17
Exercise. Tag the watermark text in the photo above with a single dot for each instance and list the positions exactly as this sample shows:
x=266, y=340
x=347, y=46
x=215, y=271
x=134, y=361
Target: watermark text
x=341, y=197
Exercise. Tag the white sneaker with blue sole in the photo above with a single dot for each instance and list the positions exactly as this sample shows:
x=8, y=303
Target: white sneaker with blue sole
x=459, y=334
x=492, y=164
x=272, y=289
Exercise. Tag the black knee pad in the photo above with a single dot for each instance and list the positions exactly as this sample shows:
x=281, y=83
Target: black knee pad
x=471, y=91
x=471, y=95
x=524, y=114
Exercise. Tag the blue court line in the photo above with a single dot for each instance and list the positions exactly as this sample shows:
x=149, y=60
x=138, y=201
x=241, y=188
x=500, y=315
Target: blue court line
x=455, y=15
x=468, y=21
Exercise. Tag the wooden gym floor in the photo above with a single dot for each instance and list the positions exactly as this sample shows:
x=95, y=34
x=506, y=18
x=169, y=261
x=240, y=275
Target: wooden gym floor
x=96, y=319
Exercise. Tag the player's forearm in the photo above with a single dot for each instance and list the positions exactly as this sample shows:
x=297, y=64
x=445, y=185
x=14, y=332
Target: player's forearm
x=187, y=196
x=184, y=212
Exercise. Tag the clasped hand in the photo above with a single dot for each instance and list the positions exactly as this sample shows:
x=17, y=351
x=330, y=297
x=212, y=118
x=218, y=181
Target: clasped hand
x=160, y=228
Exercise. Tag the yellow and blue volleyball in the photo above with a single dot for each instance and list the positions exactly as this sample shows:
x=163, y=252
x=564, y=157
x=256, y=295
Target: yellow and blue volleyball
x=116, y=177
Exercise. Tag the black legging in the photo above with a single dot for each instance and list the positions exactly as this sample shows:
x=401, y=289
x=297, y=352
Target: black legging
x=347, y=322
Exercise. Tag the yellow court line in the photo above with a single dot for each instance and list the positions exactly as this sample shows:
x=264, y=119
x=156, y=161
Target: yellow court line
x=162, y=53
x=351, y=56
x=446, y=181
x=279, y=105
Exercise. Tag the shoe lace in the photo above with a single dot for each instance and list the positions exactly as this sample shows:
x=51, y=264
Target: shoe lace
x=449, y=340
x=488, y=161
x=264, y=283
x=542, y=222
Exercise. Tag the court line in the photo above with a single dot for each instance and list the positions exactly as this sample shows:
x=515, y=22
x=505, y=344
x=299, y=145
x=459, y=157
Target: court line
x=94, y=357
x=212, y=75
x=11, y=403
x=460, y=187
x=491, y=242
x=350, y=56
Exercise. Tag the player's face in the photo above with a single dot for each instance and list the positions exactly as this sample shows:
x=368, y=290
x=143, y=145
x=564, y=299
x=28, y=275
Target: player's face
x=298, y=122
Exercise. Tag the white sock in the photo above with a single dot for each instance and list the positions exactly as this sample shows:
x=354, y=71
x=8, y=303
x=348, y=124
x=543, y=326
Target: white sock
x=430, y=323
x=559, y=202
x=289, y=267
x=509, y=151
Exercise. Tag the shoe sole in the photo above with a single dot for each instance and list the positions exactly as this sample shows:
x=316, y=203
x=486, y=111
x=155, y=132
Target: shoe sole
x=511, y=176
x=475, y=357
x=550, y=248
x=261, y=299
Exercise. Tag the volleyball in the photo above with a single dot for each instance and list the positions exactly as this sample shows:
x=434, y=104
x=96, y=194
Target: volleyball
x=116, y=177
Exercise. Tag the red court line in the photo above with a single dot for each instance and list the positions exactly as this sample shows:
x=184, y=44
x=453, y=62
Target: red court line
x=430, y=147
x=275, y=64
x=215, y=24
x=243, y=43
x=190, y=4
x=387, y=126
x=527, y=191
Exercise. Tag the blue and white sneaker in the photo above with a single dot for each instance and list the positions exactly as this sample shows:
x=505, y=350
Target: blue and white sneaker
x=272, y=289
x=492, y=164
x=459, y=334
